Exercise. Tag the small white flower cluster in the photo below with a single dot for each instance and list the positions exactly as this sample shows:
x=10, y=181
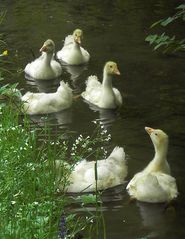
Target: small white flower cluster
x=104, y=152
x=31, y=166
x=103, y=132
x=19, y=128
x=55, y=142
x=80, y=141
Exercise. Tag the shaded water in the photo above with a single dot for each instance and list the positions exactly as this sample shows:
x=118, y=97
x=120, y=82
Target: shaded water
x=152, y=86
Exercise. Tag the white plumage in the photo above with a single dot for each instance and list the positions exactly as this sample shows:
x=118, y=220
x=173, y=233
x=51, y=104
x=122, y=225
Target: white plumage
x=110, y=172
x=103, y=95
x=155, y=184
x=42, y=103
x=72, y=53
x=45, y=67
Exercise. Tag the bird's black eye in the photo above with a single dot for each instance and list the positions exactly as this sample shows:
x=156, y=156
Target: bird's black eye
x=111, y=66
x=156, y=133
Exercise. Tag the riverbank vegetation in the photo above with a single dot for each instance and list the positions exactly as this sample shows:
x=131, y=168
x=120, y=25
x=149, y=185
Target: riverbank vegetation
x=31, y=204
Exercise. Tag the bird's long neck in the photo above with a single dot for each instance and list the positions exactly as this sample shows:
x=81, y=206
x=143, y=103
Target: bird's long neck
x=107, y=81
x=159, y=162
x=47, y=58
x=160, y=152
x=76, y=47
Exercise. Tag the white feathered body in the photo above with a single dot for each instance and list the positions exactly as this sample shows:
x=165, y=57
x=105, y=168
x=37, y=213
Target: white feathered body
x=153, y=187
x=110, y=172
x=100, y=95
x=42, y=103
x=44, y=68
x=72, y=53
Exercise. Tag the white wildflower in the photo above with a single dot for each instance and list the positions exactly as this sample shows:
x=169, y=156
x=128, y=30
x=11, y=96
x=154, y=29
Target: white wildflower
x=89, y=149
x=95, y=121
x=77, y=141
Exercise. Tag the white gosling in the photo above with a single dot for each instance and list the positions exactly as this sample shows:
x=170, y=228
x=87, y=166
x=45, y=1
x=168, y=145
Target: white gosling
x=72, y=53
x=45, y=67
x=110, y=172
x=103, y=95
x=43, y=103
x=155, y=184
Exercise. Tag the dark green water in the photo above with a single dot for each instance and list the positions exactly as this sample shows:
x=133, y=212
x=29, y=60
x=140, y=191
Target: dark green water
x=153, y=89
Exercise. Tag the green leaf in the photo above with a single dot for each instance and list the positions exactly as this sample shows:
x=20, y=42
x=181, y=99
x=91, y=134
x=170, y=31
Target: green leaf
x=182, y=6
x=156, y=23
x=159, y=45
x=167, y=21
x=88, y=199
x=151, y=38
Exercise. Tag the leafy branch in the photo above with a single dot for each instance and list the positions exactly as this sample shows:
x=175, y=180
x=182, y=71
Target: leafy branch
x=169, y=44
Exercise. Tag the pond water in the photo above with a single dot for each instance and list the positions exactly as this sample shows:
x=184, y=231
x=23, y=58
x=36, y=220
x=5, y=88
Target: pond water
x=152, y=86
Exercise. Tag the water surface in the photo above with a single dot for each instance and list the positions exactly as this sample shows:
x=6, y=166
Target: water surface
x=152, y=86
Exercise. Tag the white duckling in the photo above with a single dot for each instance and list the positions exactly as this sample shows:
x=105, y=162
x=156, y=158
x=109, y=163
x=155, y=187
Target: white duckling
x=103, y=95
x=45, y=67
x=110, y=172
x=72, y=53
x=155, y=184
x=43, y=103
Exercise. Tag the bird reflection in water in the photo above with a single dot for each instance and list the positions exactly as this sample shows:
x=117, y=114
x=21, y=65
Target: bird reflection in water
x=75, y=76
x=106, y=116
x=45, y=86
x=156, y=219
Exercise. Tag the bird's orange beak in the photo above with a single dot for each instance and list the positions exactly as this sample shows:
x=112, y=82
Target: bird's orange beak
x=116, y=71
x=43, y=48
x=149, y=130
x=78, y=39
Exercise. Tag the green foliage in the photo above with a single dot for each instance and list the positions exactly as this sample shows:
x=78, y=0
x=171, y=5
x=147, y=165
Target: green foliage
x=170, y=44
x=28, y=206
x=29, y=201
x=167, y=43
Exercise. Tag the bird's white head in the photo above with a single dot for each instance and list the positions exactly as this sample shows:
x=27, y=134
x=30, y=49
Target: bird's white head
x=157, y=136
x=111, y=68
x=48, y=46
x=78, y=35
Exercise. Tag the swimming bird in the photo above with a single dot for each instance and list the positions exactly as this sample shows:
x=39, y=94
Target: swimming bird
x=72, y=52
x=45, y=67
x=43, y=103
x=155, y=184
x=110, y=172
x=103, y=94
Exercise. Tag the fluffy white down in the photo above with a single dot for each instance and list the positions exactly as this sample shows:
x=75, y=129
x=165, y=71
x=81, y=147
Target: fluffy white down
x=42, y=103
x=72, y=52
x=45, y=67
x=111, y=172
x=103, y=94
x=155, y=184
